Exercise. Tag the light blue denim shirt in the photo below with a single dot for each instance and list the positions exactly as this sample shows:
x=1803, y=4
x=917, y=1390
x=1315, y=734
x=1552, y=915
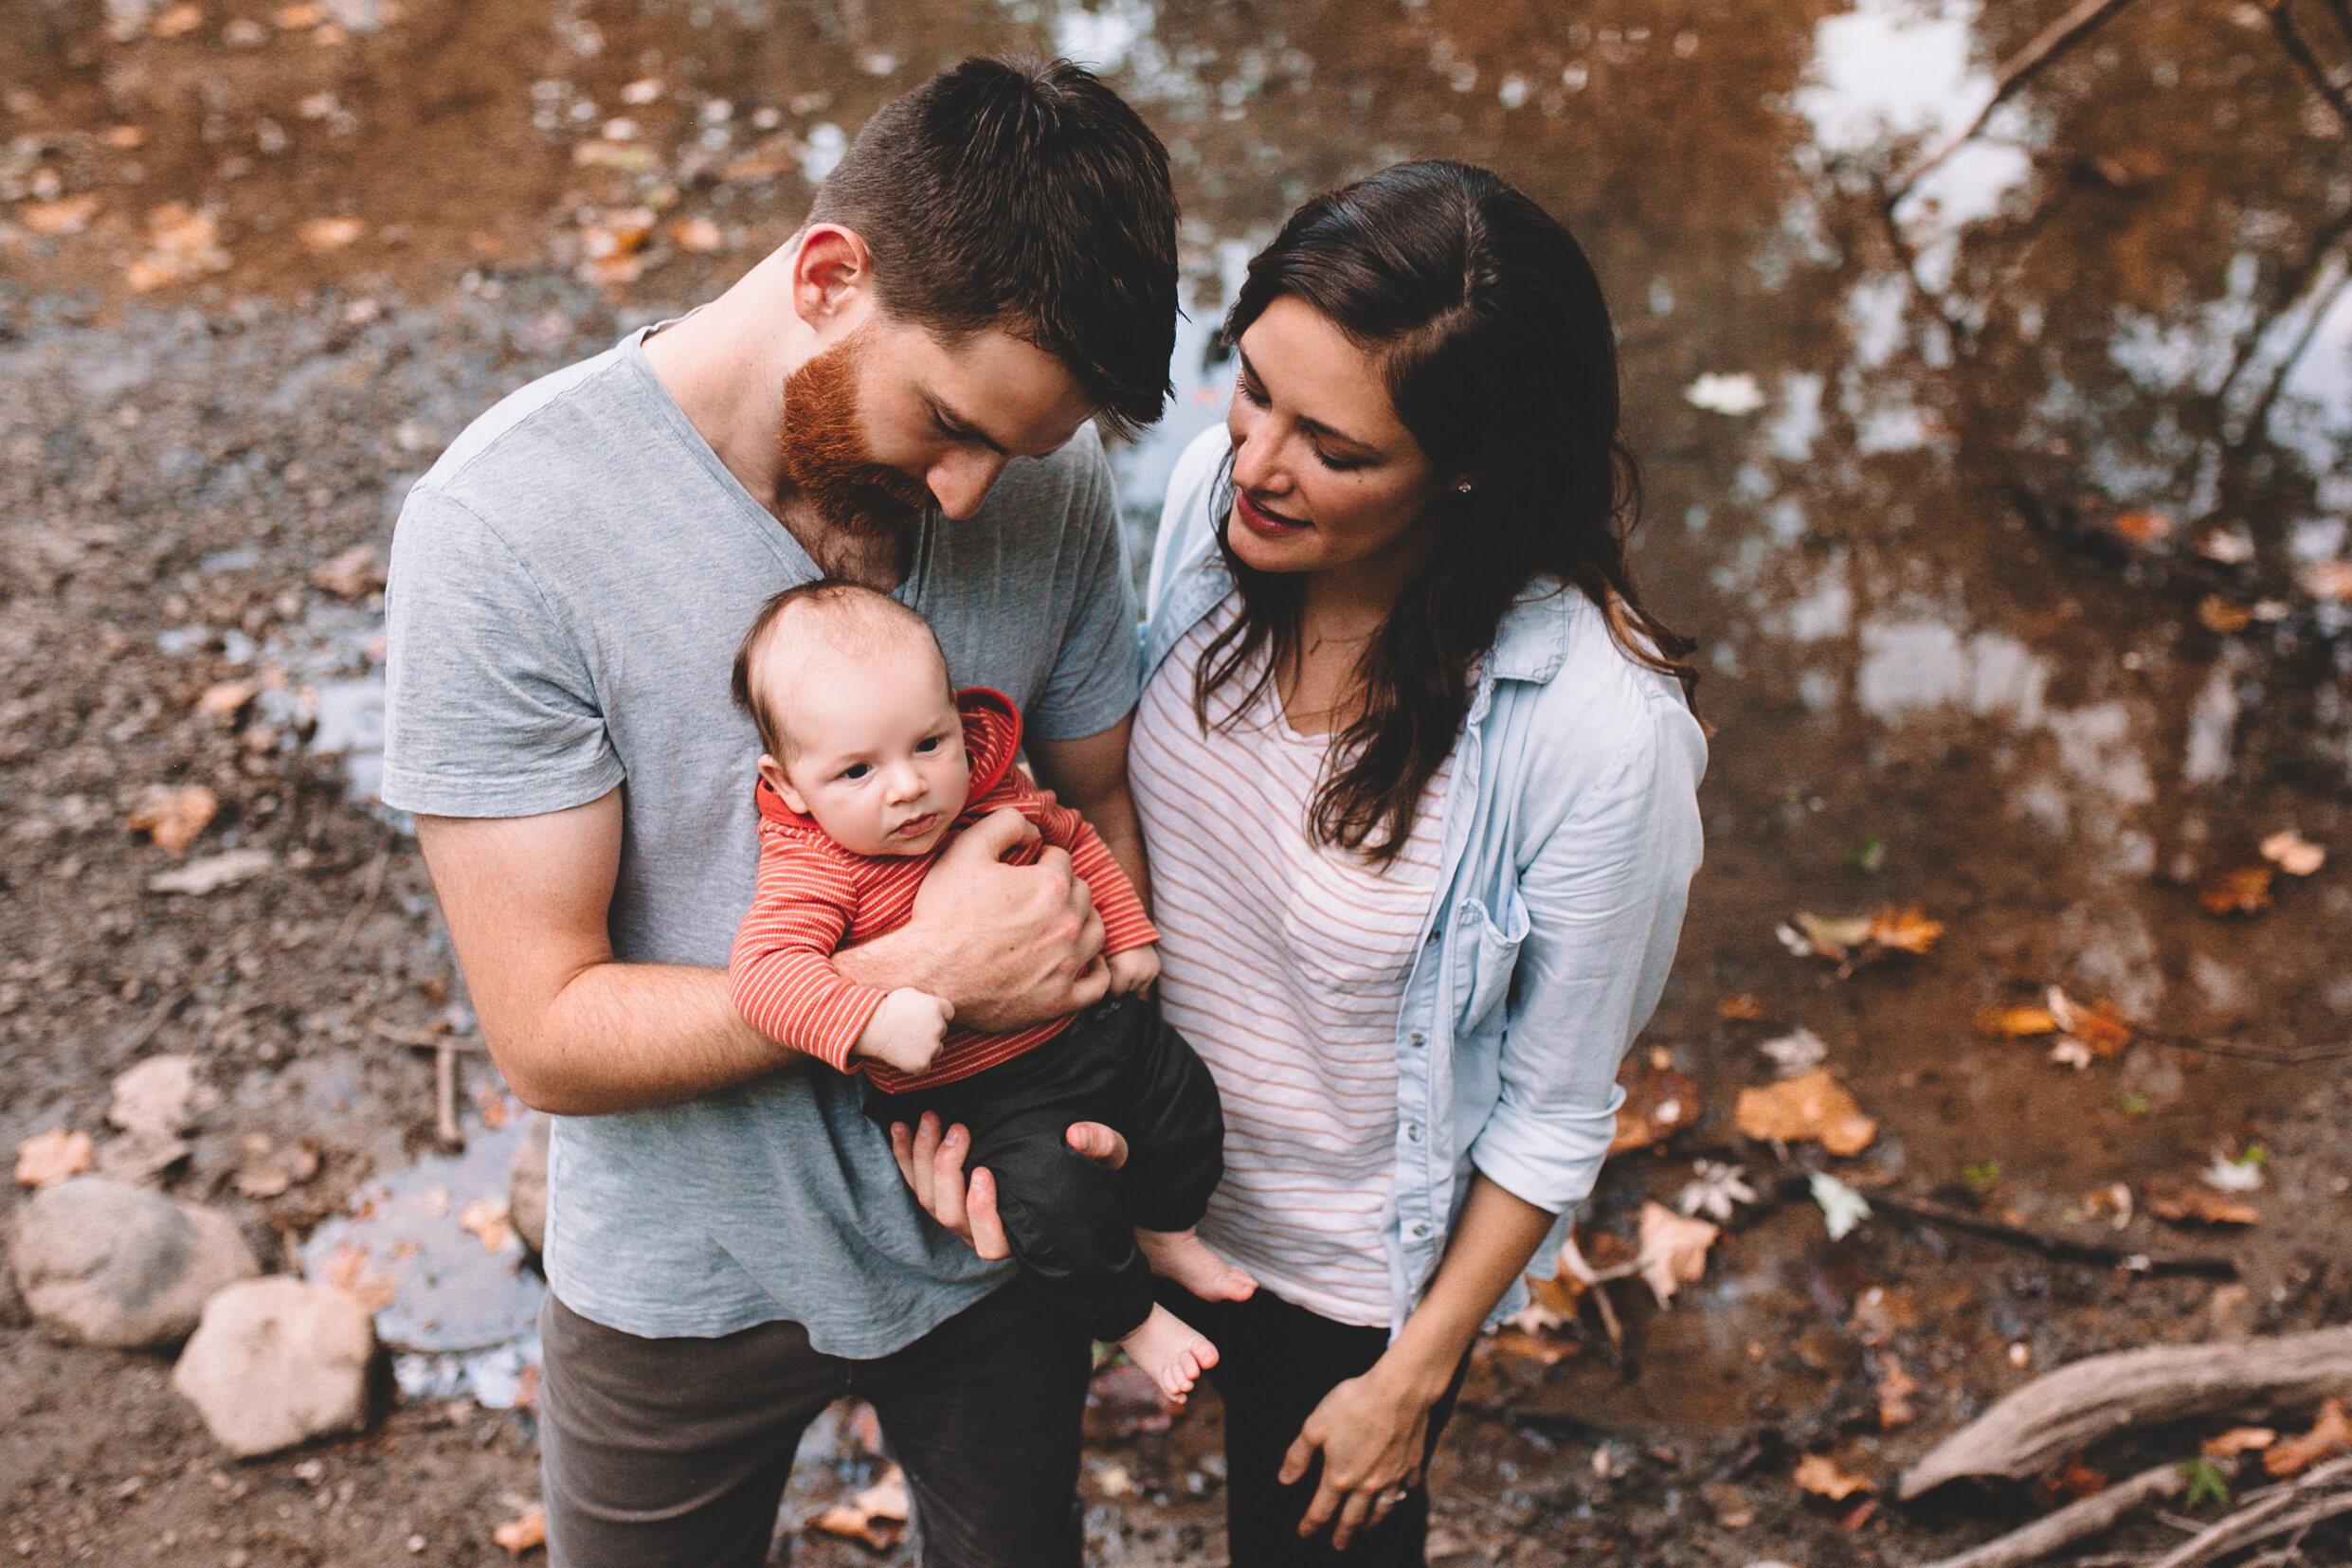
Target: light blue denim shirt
x=1570, y=835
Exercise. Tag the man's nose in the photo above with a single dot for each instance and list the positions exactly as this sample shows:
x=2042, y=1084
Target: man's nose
x=960, y=480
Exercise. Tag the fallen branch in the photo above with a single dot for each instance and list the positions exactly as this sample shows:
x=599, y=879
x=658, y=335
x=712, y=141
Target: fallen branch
x=2047, y=46
x=2075, y=1406
x=2212, y=1265
x=2073, y=1523
x=2274, y=1515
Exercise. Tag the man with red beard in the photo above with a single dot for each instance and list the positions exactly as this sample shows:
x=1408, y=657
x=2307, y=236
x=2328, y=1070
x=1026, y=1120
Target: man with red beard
x=900, y=397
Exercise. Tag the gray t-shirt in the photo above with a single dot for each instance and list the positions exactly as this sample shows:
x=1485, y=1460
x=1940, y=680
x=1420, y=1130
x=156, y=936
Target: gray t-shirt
x=568, y=584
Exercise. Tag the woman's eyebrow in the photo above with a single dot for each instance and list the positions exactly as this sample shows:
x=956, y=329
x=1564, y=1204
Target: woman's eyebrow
x=1342, y=437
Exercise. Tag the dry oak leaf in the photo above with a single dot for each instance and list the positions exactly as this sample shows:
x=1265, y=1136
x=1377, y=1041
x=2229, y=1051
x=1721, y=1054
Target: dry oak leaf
x=876, y=1516
x=2237, y=1440
x=1673, y=1250
x=1809, y=1106
x=173, y=818
x=2242, y=890
x=486, y=1218
x=348, y=1269
x=1659, y=1101
x=520, y=1535
x=2291, y=852
x=2196, y=1206
x=2332, y=1433
x=52, y=1156
x=1824, y=1477
x=2102, y=1026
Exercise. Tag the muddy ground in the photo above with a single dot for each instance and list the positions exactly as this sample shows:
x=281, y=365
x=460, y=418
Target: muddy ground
x=1950, y=662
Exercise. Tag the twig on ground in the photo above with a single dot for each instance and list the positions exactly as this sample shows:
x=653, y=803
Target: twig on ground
x=372, y=890
x=2073, y=1523
x=2274, y=1515
x=2068, y=1410
x=143, y=1030
x=2212, y=1265
x=426, y=1039
x=2290, y=39
x=2045, y=46
x=446, y=1098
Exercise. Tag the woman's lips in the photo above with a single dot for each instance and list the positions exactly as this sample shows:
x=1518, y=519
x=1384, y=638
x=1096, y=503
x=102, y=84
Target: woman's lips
x=1262, y=522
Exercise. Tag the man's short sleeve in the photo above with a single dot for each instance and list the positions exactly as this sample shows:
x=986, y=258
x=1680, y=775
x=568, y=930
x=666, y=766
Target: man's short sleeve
x=1098, y=673
x=489, y=708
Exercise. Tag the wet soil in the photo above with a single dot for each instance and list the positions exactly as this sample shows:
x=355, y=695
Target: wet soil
x=1951, y=662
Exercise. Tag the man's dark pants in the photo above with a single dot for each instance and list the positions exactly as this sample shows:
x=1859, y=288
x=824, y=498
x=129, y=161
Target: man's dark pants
x=1071, y=1221
x=674, y=1453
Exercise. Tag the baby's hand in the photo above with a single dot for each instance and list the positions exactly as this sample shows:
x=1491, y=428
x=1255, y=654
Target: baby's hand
x=1132, y=971
x=906, y=1030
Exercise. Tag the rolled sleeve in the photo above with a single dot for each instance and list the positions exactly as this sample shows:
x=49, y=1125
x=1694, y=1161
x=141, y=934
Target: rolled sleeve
x=1603, y=899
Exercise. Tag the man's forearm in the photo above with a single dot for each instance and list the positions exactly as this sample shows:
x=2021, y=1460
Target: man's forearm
x=626, y=1037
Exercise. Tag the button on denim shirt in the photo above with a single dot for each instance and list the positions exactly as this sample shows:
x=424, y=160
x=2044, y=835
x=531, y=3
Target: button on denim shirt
x=1570, y=833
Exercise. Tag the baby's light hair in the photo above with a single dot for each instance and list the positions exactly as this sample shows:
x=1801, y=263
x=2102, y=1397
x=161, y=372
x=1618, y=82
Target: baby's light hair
x=834, y=616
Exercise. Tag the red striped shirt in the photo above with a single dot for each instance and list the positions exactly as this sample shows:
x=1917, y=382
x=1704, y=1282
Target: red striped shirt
x=815, y=898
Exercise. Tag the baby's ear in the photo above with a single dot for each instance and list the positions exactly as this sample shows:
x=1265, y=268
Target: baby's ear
x=772, y=774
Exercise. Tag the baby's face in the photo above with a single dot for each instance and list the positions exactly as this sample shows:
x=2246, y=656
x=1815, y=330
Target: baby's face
x=878, y=751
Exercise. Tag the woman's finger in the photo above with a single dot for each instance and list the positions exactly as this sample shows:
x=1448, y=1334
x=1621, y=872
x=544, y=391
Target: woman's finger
x=1327, y=1500
x=1351, y=1518
x=1294, y=1462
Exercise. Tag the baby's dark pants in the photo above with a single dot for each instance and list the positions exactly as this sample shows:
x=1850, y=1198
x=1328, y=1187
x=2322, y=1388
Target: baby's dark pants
x=1070, y=1221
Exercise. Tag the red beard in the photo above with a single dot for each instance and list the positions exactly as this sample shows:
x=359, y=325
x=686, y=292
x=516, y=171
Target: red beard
x=826, y=458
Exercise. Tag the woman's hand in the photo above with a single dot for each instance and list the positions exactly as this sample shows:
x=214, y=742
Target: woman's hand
x=1373, y=1431
x=932, y=1160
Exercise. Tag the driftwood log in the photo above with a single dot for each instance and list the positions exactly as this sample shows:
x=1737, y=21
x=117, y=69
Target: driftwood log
x=2078, y=1405
x=2073, y=1523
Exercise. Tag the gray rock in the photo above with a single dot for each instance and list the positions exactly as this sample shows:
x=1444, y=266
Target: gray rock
x=526, y=1185
x=115, y=1265
x=275, y=1363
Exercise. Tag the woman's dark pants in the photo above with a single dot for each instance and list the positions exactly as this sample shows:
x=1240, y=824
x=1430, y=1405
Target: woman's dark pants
x=1276, y=1362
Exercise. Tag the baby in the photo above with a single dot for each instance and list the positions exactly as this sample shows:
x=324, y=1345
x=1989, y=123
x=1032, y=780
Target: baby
x=873, y=763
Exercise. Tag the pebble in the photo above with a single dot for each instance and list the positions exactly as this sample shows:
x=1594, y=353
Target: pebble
x=115, y=1265
x=278, y=1362
x=526, y=1185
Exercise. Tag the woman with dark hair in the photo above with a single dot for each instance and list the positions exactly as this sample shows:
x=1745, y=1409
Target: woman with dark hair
x=1417, y=775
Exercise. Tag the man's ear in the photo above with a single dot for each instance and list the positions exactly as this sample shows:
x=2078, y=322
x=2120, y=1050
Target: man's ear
x=832, y=272
x=772, y=774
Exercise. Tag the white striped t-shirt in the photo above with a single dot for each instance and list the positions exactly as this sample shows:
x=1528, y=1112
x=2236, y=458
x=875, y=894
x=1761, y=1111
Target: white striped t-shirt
x=1284, y=963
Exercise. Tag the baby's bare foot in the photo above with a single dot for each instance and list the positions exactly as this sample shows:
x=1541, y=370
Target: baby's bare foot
x=1183, y=1256
x=1174, y=1353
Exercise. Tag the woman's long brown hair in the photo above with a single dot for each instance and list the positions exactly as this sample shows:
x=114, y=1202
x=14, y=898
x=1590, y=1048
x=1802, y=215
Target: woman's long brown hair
x=1495, y=342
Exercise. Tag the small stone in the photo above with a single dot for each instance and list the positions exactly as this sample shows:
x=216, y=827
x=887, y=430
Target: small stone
x=115, y=1265
x=275, y=1363
x=526, y=1185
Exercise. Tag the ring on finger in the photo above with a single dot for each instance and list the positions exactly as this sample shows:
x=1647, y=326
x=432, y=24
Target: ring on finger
x=1393, y=1496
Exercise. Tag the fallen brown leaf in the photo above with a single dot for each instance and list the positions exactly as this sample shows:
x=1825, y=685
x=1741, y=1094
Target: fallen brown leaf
x=321, y=235
x=1854, y=941
x=1659, y=1101
x=1673, y=1250
x=173, y=818
x=1809, y=1106
x=2102, y=1026
x=876, y=1516
x=2242, y=890
x=2330, y=1433
x=2143, y=527
x=2225, y=615
x=697, y=236
x=2291, y=852
x=2330, y=580
x=2015, y=1024
x=225, y=697
x=349, y=1270
x=296, y=18
x=1904, y=930
x=1739, y=1007
x=52, y=220
x=52, y=1156
x=182, y=243
x=520, y=1535
x=1896, y=1388
x=124, y=138
x=351, y=575
x=2237, y=1440
x=269, y=1171
x=2185, y=1205
x=1824, y=1477
x=486, y=1218
x=177, y=20
x=2078, y=1481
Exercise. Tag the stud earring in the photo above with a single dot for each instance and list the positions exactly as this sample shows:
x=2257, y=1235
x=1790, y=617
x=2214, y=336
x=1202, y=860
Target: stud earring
x=1462, y=487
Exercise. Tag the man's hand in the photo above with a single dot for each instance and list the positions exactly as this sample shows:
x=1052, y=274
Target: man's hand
x=905, y=1029
x=933, y=1163
x=1132, y=971
x=1009, y=945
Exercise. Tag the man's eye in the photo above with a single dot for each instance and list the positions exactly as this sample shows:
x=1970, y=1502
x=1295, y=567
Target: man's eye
x=856, y=771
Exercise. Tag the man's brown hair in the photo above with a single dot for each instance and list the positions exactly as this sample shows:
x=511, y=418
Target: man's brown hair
x=1029, y=199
